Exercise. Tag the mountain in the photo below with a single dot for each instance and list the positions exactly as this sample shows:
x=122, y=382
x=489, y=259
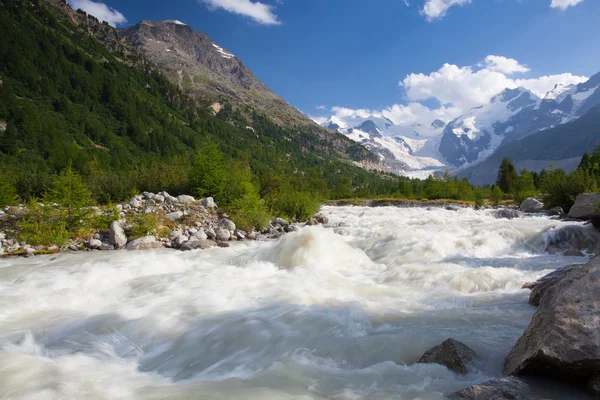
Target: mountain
x=511, y=115
x=560, y=147
x=408, y=150
x=204, y=69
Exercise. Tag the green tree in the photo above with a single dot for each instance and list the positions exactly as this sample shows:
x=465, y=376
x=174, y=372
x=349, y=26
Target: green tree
x=208, y=172
x=496, y=196
x=8, y=193
x=69, y=191
x=507, y=176
x=525, y=186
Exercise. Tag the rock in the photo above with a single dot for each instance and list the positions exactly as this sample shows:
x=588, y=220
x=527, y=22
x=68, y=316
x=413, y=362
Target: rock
x=208, y=203
x=562, y=338
x=222, y=234
x=573, y=253
x=2, y=235
x=179, y=241
x=281, y=222
x=1, y=250
x=507, y=214
x=198, y=244
x=572, y=237
x=593, y=386
x=241, y=235
x=497, y=389
x=72, y=247
x=223, y=244
x=94, y=244
x=159, y=198
x=585, y=206
x=144, y=243
x=531, y=205
x=556, y=211
x=290, y=228
x=451, y=353
x=171, y=199
x=148, y=195
x=227, y=224
x=542, y=285
x=211, y=233
x=251, y=236
x=185, y=199
x=116, y=235
x=175, y=234
x=106, y=246
x=29, y=251
x=174, y=216
x=135, y=203
x=200, y=235
x=451, y=208
x=148, y=210
x=319, y=218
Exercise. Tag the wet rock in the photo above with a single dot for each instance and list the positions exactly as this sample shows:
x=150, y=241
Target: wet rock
x=451, y=353
x=290, y=228
x=94, y=244
x=239, y=234
x=185, y=199
x=222, y=234
x=28, y=251
x=556, y=211
x=198, y=244
x=561, y=339
x=593, y=386
x=174, y=216
x=144, y=243
x=531, y=205
x=223, y=244
x=251, y=235
x=208, y=203
x=179, y=241
x=572, y=237
x=106, y=246
x=585, y=206
x=281, y=222
x=319, y=218
x=451, y=208
x=507, y=214
x=211, y=234
x=573, y=253
x=227, y=224
x=497, y=389
x=116, y=235
x=72, y=247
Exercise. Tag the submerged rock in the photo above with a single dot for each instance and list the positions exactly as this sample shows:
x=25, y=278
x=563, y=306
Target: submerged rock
x=497, y=389
x=451, y=353
x=507, y=214
x=562, y=338
x=531, y=205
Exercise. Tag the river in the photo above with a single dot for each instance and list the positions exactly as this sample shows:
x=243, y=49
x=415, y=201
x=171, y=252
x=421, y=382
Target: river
x=336, y=312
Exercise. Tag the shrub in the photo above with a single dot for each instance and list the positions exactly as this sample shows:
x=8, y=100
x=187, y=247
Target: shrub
x=496, y=196
x=249, y=212
x=295, y=206
x=43, y=226
x=140, y=225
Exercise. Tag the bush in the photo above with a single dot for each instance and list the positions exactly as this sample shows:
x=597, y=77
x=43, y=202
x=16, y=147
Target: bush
x=295, y=206
x=43, y=226
x=140, y=225
x=496, y=195
x=249, y=212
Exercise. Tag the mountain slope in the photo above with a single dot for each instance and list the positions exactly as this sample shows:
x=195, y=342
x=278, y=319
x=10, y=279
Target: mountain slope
x=561, y=146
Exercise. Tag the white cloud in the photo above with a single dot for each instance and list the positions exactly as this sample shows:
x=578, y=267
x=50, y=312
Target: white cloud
x=100, y=11
x=564, y=4
x=321, y=107
x=259, y=12
x=466, y=87
x=434, y=9
x=504, y=65
x=319, y=120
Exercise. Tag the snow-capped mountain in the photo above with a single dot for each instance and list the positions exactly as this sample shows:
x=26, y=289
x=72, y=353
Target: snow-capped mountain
x=511, y=115
x=403, y=149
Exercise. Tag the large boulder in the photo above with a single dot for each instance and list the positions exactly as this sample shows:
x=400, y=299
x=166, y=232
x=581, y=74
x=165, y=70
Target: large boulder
x=227, y=224
x=198, y=244
x=222, y=234
x=507, y=214
x=185, y=199
x=174, y=216
x=585, y=206
x=451, y=353
x=318, y=218
x=562, y=338
x=94, y=244
x=531, y=205
x=208, y=203
x=116, y=235
x=497, y=389
x=571, y=237
x=144, y=243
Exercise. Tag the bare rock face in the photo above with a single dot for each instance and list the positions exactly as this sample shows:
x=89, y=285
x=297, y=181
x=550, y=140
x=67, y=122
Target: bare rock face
x=498, y=389
x=563, y=339
x=451, y=353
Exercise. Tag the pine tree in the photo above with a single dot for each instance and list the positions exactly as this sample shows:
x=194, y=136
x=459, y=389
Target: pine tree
x=507, y=176
x=69, y=191
x=208, y=172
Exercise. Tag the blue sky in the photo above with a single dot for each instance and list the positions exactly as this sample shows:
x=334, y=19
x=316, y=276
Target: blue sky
x=353, y=54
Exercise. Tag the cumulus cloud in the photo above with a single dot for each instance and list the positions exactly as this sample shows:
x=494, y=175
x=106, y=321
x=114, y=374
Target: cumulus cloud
x=466, y=87
x=456, y=89
x=564, y=4
x=100, y=11
x=321, y=107
x=435, y=9
x=259, y=12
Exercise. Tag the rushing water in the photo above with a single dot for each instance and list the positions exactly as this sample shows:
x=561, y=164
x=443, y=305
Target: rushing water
x=342, y=312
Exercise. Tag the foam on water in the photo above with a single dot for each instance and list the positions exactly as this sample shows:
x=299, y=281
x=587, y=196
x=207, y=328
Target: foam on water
x=338, y=312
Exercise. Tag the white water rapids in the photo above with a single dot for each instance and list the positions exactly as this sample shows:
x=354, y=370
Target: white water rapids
x=341, y=312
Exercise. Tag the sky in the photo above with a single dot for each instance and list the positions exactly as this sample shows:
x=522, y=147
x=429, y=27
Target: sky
x=410, y=60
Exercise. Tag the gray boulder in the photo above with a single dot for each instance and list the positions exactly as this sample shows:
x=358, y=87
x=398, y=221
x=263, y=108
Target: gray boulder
x=556, y=211
x=318, y=218
x=572, y=237
x=281, y=222
x=185, y=199
x=507, y=214
x=144, y=243
x=497, y=389
x=174, y=216
x=94, y=244
x=179, y=241
x=159, y=198
x=562, y=338
x=211, y=233
x=135, y=203
x=208, y=202
x=106, y=246
x=227, y=224
x=451, y=353
x=116, y=235
x=531, y=205
x=585, y=206
x=593, y=386
x=200, y=235
x=239, y=234
x=198, y=244
x=222, y=234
